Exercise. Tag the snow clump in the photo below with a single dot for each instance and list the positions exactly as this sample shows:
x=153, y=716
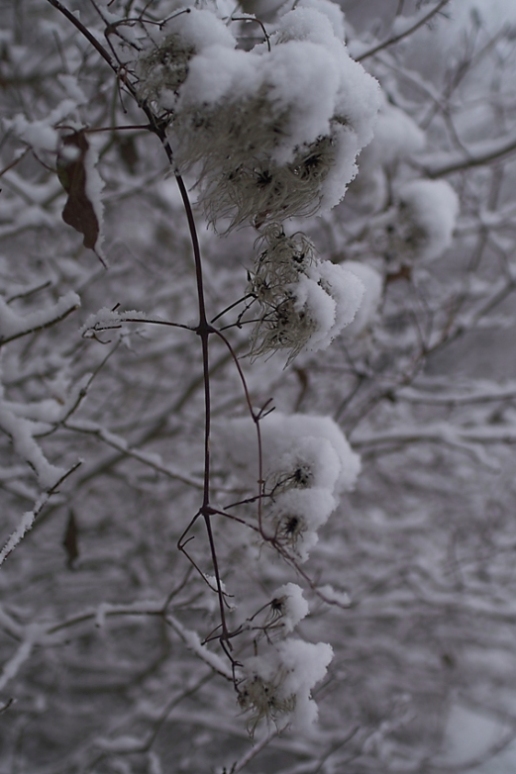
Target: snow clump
x=290, y=605
x=307, y=462
x=373, y=291
x=396, y=138
x=163, y=64
x=277, y=686
x=427, y=213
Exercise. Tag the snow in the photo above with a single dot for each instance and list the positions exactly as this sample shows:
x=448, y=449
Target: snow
x=346, y=288
x=310, y=507
x=40, y=134
x=283, y=434
x=201, y=28
x=217, y=72
x=71, y=86
x=307, y=462
x=330, y=594
x=373, y=289
x=306, y=664
x=21, y=432
x=396, y=137
x=432, y=206
x=166, y=57
x=24, y=526
x=103, y=319
x=193, y=642
x=319, y=308
x=304, y=302
x=294, y=606
x=120, y=744
x=330, y=10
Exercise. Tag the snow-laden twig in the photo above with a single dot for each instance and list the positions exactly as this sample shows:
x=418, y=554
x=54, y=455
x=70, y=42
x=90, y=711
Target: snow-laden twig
x=32, y=635
x=482, y=392
x=193, y=642
x=466, y=439
x=21, y=431
x=13, y=325
x=105, y=610
x=12, y=667
x=404, y=33
x=250, y=754
x=151, y=459
x=30, y=517
x=439, y=164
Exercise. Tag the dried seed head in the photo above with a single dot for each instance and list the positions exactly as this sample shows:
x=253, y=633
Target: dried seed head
x=261, y=698
x=281, y=260
x=239, y=179
x=289, y=529
x=283, y=326
x=164, y=70
x=300, y=477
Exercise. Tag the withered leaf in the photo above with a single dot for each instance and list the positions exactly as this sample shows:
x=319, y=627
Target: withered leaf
x=78, y=212
x=70, y=542
x=404, y=273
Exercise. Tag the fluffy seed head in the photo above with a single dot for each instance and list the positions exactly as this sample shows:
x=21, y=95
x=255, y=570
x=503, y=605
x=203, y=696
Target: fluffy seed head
x=284, y=324
x=164, y=70
x=239, y=179
x=260, y=697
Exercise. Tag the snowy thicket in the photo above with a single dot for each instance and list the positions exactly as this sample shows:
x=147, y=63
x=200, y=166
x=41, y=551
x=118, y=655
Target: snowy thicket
x=256, y=391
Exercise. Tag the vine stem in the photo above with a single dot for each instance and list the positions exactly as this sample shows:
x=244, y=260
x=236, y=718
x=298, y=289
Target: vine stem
x=204, y=329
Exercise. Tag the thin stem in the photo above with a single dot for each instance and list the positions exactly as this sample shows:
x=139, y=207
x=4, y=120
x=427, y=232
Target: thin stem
x=41, y=327
x=256, y=417
x=232, y=306
x=256, y=21
x=404, y=34
x=158, y=322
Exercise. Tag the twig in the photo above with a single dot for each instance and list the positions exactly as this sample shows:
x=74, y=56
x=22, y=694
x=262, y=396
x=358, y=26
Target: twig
x=41, y=327
x=30, y=517
x=252, y=753
x=396, y=38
